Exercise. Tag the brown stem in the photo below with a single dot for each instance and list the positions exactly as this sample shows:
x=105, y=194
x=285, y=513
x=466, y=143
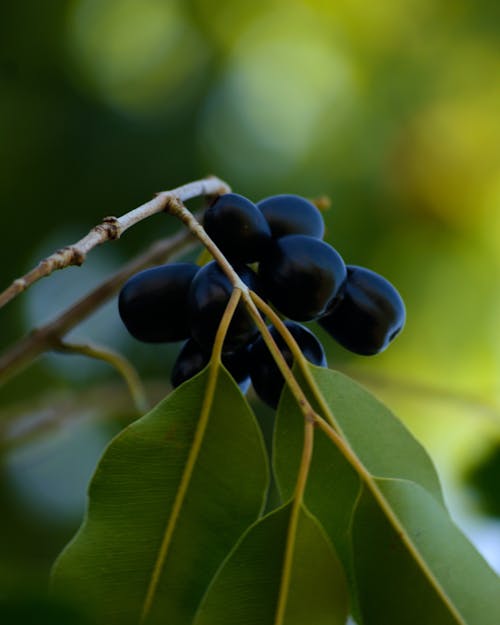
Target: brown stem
x=111, y=228
x=47, y=336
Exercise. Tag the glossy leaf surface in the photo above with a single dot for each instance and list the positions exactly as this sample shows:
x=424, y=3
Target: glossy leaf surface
x=247, y=588
x=394, y=475
x=169, y=499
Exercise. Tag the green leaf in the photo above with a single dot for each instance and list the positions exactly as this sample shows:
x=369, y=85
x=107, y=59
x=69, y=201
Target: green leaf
x=428, y=574
x=381, y=442
x=247, y=588
x=384, y=453
x=170, y=498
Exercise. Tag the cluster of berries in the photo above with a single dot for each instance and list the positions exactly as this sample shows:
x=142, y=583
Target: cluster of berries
x=303, y=277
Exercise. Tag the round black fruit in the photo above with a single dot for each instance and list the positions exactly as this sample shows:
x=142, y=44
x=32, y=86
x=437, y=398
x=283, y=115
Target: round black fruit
x=192, y=359
x=237, y=227
x=208, y=297
x=301, y=276
x=370, y=314
x=264, y=373
x=153, y=304
x=292, y=214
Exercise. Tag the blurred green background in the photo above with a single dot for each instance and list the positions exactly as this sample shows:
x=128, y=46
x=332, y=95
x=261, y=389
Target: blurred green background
x=390, y=108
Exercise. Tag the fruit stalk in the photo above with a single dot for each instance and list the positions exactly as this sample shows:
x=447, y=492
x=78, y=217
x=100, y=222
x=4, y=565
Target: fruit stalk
x=177, y=209
x=119, y=362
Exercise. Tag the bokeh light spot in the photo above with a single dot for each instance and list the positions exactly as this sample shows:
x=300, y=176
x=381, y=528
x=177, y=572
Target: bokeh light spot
x=287, y=83
x=134, y=54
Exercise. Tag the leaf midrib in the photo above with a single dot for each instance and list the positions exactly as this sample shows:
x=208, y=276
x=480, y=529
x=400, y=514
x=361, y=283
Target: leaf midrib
x=402, y=534
x=370, y=481
x=181, y=491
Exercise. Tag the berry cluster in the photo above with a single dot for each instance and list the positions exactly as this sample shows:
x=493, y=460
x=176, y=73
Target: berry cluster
x=302, y=276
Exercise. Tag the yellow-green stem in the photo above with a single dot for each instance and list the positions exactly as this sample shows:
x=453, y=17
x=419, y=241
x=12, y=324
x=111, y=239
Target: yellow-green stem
x=193, y=454
x=224, y=325
x=177, y=209
x=278, y=357
x=370, y=483
x=297, y=354
x=300, y=487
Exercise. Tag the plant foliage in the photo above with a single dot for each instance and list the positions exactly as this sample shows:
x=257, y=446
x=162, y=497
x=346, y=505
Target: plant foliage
x=171, y=496
x=175, y=533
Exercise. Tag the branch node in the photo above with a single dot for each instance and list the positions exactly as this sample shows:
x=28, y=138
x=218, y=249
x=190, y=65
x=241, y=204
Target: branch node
x=47, y=336
x=172, y=204
x=109, y=227
x=20, y=284
x=311, y=417
x=112, y=228
x=64, y=257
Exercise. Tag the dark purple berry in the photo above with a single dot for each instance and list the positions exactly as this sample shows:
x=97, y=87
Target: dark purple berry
x=301, y=276
x=237, y=227
x=292, y=214
x=153, y=304
x=208, y=297
x=264, y=373
x=370, y=314
x=192, y=359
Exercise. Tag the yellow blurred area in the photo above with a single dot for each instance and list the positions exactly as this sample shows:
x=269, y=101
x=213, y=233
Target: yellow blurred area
x=448, y=157
x=490, y=228
x=225, y=21
x=456, y=430
x=380, y=25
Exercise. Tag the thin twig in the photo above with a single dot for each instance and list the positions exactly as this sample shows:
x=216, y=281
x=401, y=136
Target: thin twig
x=177, y=209
x=116, y=360
x=110, y=229
x=47, y=336
x=27, y=421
